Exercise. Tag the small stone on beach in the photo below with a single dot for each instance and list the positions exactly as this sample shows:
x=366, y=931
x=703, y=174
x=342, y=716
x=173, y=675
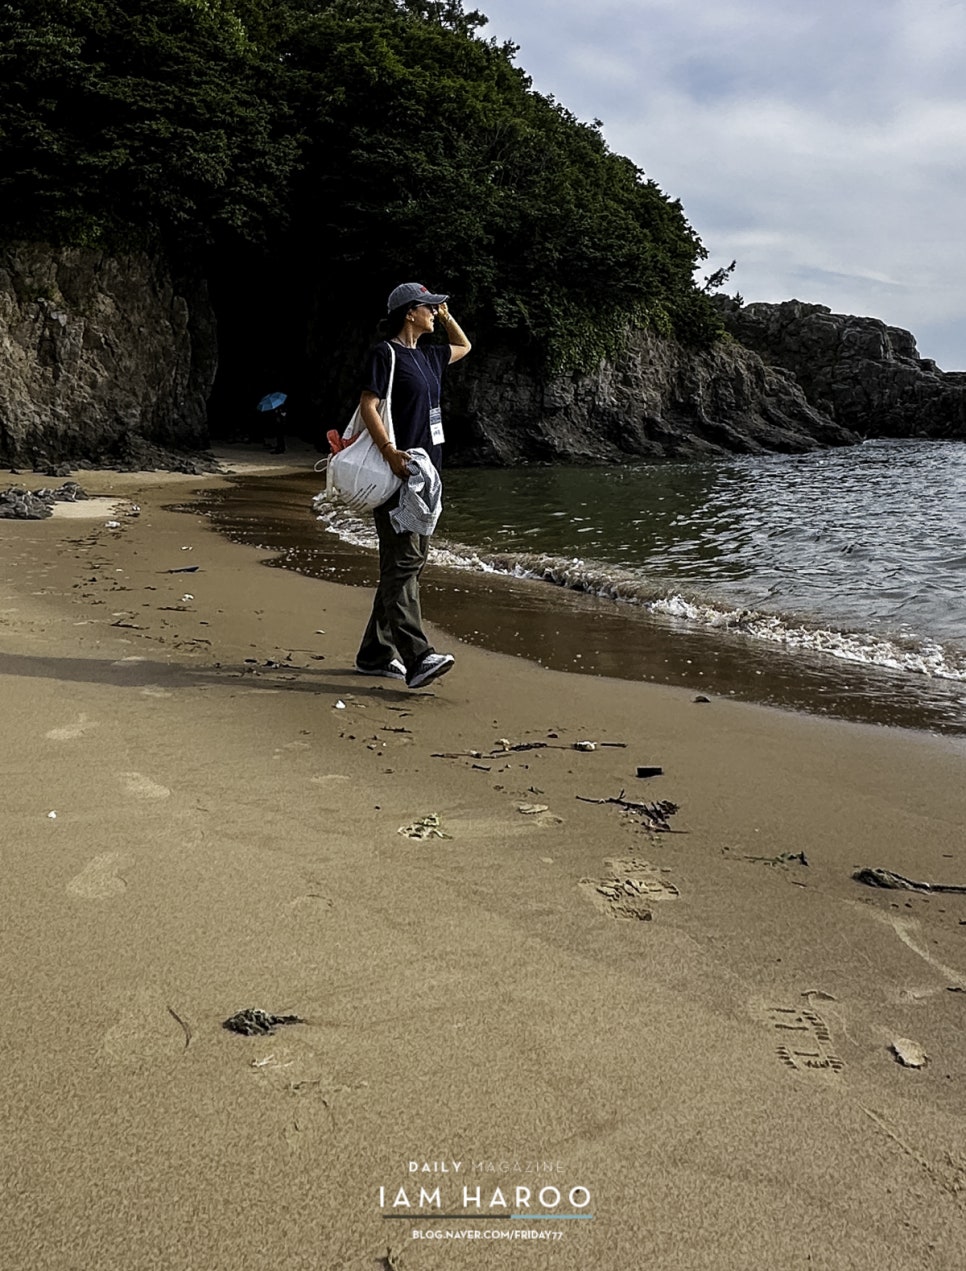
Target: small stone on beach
x=909, y=1053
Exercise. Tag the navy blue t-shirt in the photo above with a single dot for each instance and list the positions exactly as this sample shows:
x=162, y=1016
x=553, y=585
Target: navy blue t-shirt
x=416, y=388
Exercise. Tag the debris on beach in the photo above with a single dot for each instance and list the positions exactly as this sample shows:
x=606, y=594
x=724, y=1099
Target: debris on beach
x=896, y=882
x=503, y=746
x=185, y=569
x=783, y=858
x=427, y=827
x=701, y=699
x=253, y=1022
x=654, y=816
x=649, y=770
x=531, y=809
x=909, y=1053
x=185, y=1026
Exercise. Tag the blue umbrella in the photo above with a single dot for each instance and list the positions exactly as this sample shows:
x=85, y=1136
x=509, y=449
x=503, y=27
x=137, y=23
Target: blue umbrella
x=272, y=401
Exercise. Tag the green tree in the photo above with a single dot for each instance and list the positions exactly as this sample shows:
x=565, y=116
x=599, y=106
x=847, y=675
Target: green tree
x=125, y=121
x=332, y=145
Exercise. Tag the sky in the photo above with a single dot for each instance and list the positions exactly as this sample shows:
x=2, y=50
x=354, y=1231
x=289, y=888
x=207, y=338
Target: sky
x=820, y=144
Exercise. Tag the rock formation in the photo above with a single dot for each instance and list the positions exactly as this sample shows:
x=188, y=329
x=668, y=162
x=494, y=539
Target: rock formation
x=108, y=360
x=102, y=358
x=660, y=400
x=864, y=374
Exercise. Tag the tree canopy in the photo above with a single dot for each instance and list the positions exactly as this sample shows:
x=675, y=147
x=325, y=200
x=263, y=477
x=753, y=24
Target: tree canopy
x=358, y=141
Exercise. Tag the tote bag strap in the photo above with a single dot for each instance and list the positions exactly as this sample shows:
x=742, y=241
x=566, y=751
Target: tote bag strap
x=387, y=409
x=356, y=426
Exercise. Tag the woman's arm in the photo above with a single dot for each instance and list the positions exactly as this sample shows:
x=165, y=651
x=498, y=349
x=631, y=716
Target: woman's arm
x=398, y=460
x=459, y=345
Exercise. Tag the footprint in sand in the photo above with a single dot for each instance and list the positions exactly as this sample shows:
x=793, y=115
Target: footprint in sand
x=147, y=1029
x=143, y=787
x=629, y=890
x=100, y=878
x=295, y=1071
x=806, y=1044
x=69, y=732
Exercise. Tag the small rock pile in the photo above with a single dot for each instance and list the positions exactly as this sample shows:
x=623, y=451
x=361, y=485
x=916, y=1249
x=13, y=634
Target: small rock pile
x=20, y=504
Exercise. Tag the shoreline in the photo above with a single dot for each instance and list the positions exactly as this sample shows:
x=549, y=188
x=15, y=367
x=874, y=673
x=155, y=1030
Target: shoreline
x=549, y=624
x=228, y=796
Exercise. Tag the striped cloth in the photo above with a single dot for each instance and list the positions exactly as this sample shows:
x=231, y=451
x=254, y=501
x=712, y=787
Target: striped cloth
x=420, y=497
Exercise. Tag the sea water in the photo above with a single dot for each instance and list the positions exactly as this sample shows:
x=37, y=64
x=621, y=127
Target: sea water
x=830, y=582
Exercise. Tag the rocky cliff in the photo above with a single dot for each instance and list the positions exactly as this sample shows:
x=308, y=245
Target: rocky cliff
x=865, y=375
x=109, y=359
x=102, y=358
x=660, y=400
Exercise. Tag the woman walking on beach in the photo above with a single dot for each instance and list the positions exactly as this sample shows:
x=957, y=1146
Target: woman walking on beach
x=394, y=643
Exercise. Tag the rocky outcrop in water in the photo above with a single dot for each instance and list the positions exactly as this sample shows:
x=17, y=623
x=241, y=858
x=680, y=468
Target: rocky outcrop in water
x=103, y=359
x=865, y=375
x=660, y=400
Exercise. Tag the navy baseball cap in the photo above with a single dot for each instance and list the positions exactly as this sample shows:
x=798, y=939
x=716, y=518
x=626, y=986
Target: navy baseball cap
x=413, y=293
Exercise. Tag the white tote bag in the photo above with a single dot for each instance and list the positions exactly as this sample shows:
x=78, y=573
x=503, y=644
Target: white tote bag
x=358, y=476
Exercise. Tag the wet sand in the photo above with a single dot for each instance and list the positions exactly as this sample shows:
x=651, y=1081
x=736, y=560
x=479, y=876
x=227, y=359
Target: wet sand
x=686, y=1034
x=575, y=631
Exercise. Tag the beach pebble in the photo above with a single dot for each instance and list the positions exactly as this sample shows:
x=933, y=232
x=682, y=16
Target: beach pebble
x=585, y=745
x=51, y=816
x=909, y=1053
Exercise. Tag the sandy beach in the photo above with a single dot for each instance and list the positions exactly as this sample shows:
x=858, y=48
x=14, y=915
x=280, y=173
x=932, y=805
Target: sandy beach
x=539, y=1029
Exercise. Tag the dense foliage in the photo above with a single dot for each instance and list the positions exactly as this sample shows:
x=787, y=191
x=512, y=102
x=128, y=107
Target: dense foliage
x=349, y=142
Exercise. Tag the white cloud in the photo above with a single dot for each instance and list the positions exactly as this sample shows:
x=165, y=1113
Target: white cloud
x=823, y=146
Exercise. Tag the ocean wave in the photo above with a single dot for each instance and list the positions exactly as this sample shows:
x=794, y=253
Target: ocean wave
x=654, y=596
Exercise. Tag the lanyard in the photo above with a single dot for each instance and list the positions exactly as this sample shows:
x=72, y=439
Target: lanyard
x=439, y=380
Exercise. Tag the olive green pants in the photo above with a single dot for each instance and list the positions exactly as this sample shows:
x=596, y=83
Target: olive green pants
x=395, y=628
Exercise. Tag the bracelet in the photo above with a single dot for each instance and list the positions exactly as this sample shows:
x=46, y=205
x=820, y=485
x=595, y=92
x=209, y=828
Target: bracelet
x=384, y=445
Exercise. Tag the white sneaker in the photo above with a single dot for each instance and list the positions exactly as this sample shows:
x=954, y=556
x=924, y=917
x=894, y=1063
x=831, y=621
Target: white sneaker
x=393, y=671
x=432, y=667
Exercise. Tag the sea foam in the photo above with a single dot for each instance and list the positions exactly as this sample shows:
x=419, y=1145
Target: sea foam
x=905, y=653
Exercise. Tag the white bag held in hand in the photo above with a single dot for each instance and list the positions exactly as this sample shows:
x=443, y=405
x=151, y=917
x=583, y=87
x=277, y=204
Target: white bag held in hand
x=358, y=475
